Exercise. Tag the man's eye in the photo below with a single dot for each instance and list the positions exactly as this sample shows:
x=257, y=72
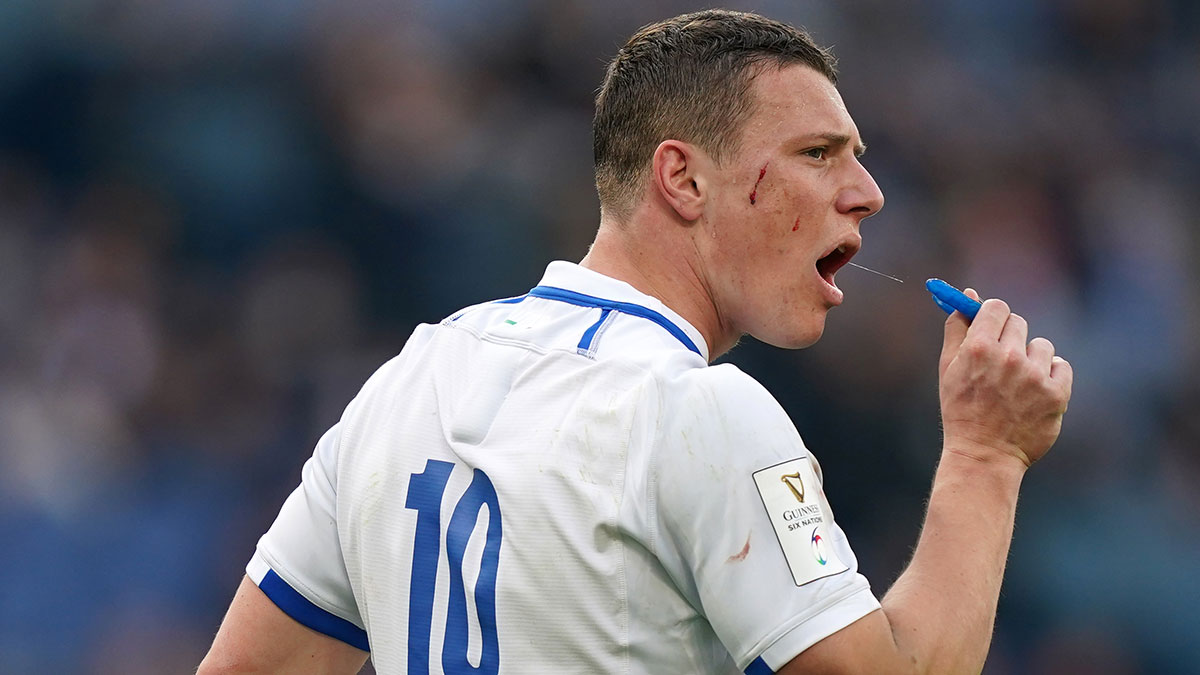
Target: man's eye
x=816, y=153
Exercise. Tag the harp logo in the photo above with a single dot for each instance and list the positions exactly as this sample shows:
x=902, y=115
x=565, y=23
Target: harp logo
x=793, y=482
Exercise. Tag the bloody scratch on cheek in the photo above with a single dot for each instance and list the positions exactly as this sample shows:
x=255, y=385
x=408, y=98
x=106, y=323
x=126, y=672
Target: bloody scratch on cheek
x=797, y=225
x=754, y=193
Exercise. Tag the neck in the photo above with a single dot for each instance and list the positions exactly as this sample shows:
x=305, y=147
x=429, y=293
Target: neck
x=658, y=257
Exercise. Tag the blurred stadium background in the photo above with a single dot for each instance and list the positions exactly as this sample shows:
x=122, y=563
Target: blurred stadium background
x=217, y=217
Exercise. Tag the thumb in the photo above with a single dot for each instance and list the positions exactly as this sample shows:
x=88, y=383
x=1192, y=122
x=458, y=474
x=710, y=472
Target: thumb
x=955, y=332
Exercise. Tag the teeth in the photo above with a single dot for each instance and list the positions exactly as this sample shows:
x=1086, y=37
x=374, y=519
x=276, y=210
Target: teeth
x=842, y=248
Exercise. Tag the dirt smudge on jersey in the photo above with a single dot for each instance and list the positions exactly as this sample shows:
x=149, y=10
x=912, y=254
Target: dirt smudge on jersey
x=739, y=557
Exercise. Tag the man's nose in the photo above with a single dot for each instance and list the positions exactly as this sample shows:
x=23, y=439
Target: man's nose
x=862, y=195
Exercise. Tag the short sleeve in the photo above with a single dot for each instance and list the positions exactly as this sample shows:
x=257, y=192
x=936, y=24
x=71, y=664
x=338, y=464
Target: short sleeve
x=298, y=563
x=743, y=524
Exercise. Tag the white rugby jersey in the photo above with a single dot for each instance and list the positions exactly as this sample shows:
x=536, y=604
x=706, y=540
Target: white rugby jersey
x=559, y=483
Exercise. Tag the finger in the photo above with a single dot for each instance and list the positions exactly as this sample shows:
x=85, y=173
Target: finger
x=1061, y=372
x=1041, y=353
x=971, y=293
x=1015, y=332
x=954, y=333
x=990, y=320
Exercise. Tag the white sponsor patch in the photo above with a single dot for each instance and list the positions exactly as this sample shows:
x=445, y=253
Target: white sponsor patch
x=796, y=506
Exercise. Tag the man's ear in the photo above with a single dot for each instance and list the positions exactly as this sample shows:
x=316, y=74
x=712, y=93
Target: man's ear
x=677, y=169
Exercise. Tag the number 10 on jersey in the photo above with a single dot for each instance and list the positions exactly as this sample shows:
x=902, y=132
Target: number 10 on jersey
x=425, y=492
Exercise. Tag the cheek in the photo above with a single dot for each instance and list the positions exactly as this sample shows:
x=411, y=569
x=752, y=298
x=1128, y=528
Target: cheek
x=806, y=220
x=793, y=211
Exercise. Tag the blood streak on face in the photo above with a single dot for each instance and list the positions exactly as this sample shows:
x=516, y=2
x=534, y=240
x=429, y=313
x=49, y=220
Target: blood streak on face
x=754, y=193
x=797, y=225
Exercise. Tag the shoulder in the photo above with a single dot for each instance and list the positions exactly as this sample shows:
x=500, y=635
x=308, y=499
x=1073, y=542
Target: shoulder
x=391, y=381
x=718, y=422
x=722, y=403
x=724, y=384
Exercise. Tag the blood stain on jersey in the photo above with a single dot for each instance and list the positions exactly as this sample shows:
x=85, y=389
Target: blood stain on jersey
x=754, y=193
x=739, y=557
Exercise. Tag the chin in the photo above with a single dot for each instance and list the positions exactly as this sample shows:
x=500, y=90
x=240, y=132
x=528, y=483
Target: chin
x=798, y=338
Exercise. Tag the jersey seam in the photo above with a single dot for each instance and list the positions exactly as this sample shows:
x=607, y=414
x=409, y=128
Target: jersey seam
x=766, y=643
x=308, y=592
x=453, y=318
x=591, y=336
x=652, y=507
x=361, y=601
x=523, y=344
x=622, y=578
x=608, y=321
x=452, y=322
x=652, y=481
x=652, y=485
x=508, y=342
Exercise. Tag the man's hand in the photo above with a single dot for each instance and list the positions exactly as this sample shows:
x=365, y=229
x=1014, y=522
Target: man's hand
x=1002, y=405
x=1002, y=398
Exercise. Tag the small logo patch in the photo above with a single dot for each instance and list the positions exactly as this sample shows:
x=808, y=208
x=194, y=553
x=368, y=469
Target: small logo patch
x=801, y=519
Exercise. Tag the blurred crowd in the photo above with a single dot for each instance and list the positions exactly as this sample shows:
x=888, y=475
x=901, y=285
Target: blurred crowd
x=217, y=218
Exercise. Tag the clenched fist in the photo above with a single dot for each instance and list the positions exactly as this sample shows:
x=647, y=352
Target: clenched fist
x=1003, y=396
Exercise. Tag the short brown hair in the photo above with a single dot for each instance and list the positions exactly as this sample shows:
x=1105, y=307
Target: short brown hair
x=686, y=78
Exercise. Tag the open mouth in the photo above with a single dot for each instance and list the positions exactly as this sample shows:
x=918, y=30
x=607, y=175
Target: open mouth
x=831, y=263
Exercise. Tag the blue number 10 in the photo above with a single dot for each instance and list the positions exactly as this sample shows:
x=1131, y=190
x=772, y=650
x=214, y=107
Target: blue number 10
x=425, y=497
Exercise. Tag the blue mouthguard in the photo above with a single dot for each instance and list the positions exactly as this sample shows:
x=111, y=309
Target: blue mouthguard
x=951, y=299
